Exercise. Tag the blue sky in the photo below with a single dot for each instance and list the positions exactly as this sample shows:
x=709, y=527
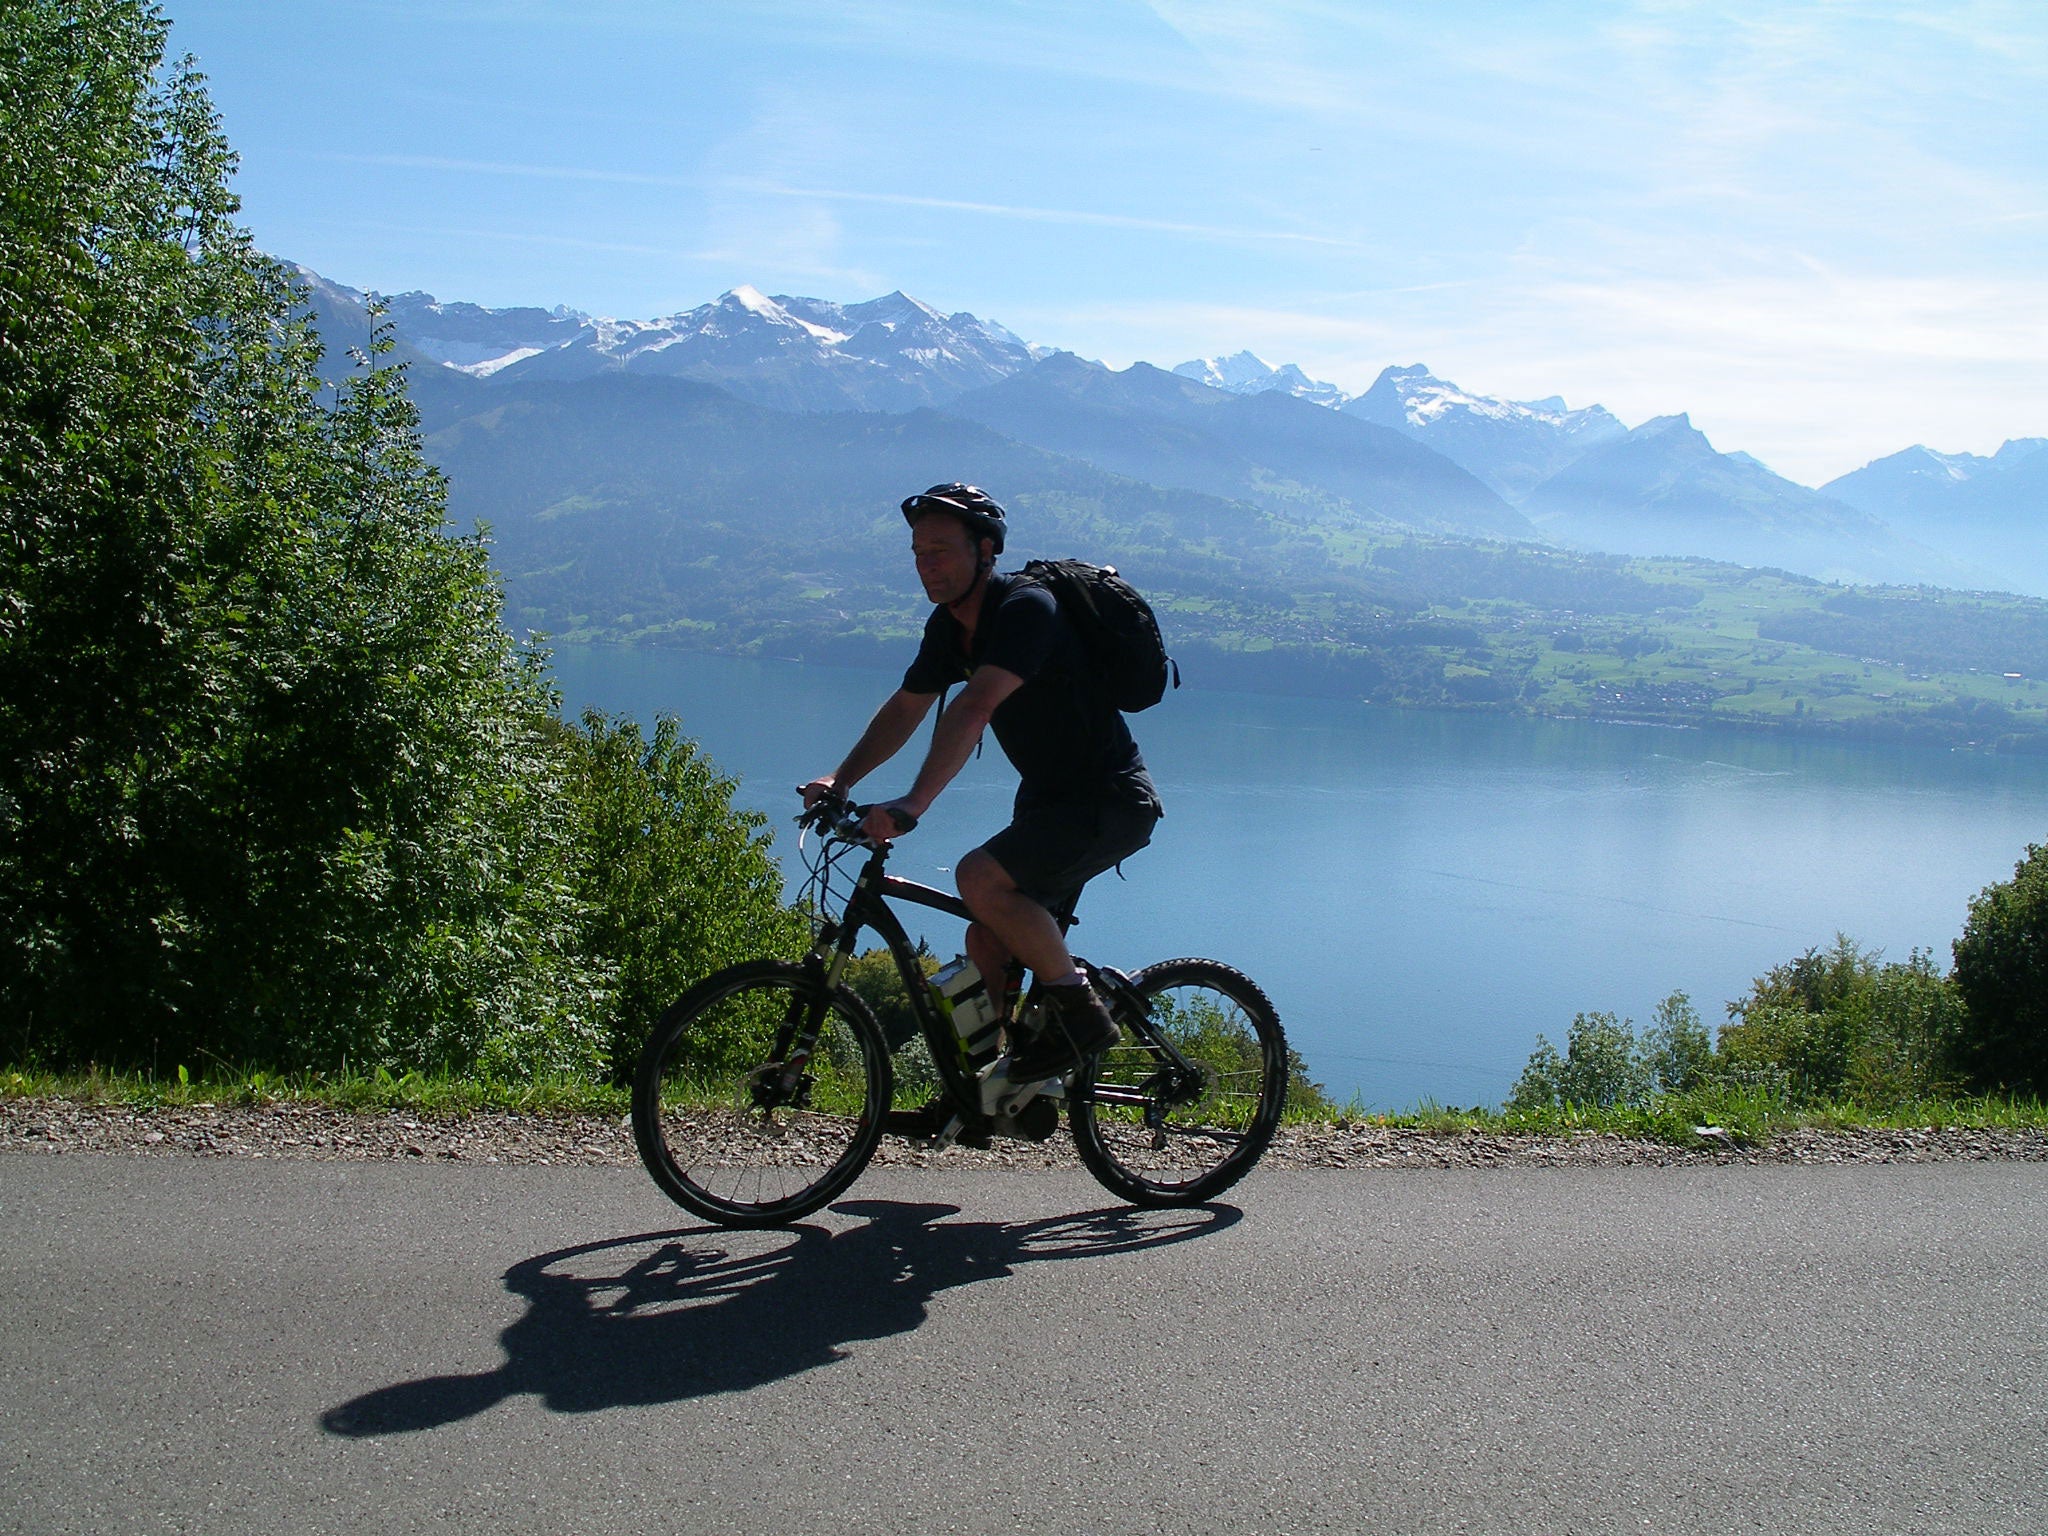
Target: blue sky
x=1819, y=228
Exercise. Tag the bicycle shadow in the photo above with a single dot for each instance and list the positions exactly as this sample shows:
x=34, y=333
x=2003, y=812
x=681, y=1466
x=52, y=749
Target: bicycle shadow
x=704, y=1310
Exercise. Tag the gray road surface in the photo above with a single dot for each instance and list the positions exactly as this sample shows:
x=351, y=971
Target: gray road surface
x=225, y=1347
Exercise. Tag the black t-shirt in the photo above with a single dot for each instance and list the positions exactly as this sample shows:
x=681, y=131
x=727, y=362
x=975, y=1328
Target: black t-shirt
x=1060, y=731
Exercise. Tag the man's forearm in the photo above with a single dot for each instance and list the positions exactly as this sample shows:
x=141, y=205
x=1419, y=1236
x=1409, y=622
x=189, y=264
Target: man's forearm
x=959, y=728
x=883, y=739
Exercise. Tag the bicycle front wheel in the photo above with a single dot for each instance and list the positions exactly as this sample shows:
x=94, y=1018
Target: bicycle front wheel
x=760, y=1095
x=1183, y=1107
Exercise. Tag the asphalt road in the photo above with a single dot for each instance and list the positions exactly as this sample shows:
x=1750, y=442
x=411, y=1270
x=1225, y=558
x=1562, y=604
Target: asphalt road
x=220, y=1347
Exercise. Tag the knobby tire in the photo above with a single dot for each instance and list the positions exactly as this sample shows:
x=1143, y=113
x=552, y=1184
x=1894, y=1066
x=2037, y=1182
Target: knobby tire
x=703, y=1130
x=1199, y=1141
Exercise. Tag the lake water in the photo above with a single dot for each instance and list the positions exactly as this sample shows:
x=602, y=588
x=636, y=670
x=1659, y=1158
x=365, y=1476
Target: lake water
x=1423, y=894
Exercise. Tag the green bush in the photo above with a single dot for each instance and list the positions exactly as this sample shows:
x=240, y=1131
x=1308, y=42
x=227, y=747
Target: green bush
x=1677, y=1051
x=2001, y=972
x=672, y=883
x=1912, y=1049
x=1833, y=1025
x=873, y=975
x=1603, y=1065
x=1838, y=1023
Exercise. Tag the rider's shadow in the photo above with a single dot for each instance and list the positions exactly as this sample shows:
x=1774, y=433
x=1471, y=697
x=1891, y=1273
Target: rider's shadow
x=702, y=1311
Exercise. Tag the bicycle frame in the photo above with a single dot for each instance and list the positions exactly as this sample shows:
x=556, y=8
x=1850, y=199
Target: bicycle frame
x=867, y=907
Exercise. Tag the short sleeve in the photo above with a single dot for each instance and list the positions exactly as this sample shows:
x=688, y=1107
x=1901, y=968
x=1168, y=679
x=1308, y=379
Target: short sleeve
x=937, y=665
x=1025, y=633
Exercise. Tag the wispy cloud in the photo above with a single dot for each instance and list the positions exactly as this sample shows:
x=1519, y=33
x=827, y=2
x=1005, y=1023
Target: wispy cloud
x=1047, y=215
x=507, y=168
x=1075, y=216
x=533, y=238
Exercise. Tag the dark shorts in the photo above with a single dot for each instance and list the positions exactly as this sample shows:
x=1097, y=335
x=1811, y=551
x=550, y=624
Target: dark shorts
x=1054, y=848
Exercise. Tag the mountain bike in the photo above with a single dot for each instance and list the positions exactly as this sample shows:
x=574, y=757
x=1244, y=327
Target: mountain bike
x=764, y=1091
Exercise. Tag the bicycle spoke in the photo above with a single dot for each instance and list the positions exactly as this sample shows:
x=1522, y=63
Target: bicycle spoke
x=1182, y=1109
x=726, y=1129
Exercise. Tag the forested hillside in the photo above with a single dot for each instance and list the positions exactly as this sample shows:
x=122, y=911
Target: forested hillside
x=658, y=511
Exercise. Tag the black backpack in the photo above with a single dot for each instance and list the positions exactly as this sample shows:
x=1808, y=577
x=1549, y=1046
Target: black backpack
x=1116, y=626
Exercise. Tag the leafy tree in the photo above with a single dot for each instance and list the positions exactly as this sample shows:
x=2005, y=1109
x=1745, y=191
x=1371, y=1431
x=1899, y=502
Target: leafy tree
x=273, y=779
x=671, y=882
x=2001, y=971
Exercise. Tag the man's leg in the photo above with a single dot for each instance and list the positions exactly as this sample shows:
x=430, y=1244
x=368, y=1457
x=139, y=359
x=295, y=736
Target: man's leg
x=1011, y=924
x=1077, y=1024
x=992, y=957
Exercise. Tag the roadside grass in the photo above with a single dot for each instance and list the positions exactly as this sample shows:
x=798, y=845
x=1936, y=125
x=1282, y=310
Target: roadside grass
x=1745, y=1117
x=445, y=1095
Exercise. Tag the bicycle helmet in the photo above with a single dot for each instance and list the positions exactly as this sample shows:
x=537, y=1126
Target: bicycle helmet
x=969, y=503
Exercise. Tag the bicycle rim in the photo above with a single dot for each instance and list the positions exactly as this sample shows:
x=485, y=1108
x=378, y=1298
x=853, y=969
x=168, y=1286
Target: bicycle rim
x=720, y=1127
x=1156, y=1137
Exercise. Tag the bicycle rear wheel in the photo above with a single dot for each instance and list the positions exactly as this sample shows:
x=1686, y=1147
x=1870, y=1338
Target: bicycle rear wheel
x=1183, y=1107
x=734, y=1121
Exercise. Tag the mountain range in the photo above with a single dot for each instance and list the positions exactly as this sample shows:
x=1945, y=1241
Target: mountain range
x=1269, y=448
x=1992, y=512
x=1413, y=452
x=792, y=354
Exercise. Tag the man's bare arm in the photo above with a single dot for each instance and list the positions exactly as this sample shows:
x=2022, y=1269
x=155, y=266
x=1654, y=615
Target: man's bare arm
x=960, y=727
x=884, y=737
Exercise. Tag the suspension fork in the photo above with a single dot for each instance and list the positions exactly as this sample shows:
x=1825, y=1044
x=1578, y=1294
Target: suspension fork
x=784, y=1077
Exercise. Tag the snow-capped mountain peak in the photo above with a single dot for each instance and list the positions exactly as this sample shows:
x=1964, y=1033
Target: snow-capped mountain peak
x=891, y=353
x=1246, y=373
x=1512, y=445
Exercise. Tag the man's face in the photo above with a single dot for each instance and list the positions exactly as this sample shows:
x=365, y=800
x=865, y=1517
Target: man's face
x=946, y=556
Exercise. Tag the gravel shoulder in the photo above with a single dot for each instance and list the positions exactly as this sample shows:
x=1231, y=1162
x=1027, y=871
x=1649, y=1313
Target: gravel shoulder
x=316, y=1132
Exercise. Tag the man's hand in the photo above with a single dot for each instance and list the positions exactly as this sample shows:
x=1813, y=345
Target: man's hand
x=817, y=790
x=891, y=819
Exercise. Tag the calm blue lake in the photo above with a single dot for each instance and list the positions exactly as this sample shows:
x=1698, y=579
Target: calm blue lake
x=1423, y=894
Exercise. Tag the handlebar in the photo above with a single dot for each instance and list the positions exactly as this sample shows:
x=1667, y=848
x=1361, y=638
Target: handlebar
x=837, y=816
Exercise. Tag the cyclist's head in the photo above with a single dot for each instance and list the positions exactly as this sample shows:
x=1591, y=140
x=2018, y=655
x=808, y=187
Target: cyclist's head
x=970, y=505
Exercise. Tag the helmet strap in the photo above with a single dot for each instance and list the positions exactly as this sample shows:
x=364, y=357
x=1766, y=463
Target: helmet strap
x=985, y=567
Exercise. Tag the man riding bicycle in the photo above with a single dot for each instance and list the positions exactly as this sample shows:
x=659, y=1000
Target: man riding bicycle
x=1084, y=800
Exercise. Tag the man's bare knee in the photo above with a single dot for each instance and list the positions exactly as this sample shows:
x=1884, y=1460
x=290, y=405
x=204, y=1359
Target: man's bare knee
x=978, y=875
